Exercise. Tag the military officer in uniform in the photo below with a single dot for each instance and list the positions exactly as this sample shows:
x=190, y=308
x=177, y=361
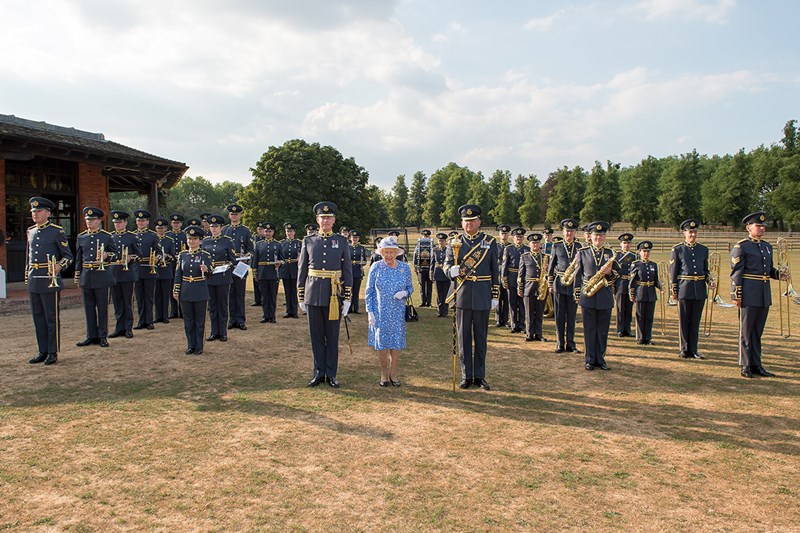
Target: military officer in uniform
x=125, y=272
x=642, y=290
x=624, y=259
x=256, y=290
x=223, y=254
x=166, y=270
x=311, y=229
x=359, y=258
x=596, y=270
x=94, y=252
x=324, y=278
x=563, y=254
x=531, y=269
x=422, y=267
x=290, y=250
x=688, y=272
x=509, y=268
x=194, y=222
x=752, y=269
x=190, y=288
x=145, y=287
x=46, y=256
x=267, y=259
x=178, y=235
x=439, y=275
x=243, y=245
x=476, y=272
x=503, y=234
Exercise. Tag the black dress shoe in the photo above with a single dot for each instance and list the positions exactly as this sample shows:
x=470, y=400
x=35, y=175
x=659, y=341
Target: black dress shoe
x=255, y=304
x=465, y=383
x=482, y=383
x=85, y=342
x=140, y=326
x=52, y=358
x=746, y=373
x=698, y=355
x=764, y=372
x=190, y=351
x=129, y=334
x=686, y=355
x=264, y=320
x=271, y=320
x=542, y=339
x=530, y=339
x=242, y=327
x=383, y=383
x=316, y=381
x=620, y=334
x=212, y=338
x=231, y=325
x=103, y=342
x=640, y=342
x=589, y=366
x=40, y=358
x=574, y=349
x=173, y=315
x=333, y=382
x=289, y=315
x=114, y=334
x=223, y=338
x=150, y=326
x=165, y=321
x=559, y=349
x=198, y=352
x=604, y=366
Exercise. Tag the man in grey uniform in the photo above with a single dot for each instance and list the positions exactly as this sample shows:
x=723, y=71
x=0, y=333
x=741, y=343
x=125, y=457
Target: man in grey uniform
x=566, y=309
x=243, y=246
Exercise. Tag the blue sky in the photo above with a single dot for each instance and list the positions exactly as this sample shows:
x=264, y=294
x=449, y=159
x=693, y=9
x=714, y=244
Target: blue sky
x=407, y=85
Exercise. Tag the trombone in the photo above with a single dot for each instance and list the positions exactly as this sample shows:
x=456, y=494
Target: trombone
x=663, y=277
x=784, y=295
x=51, y=271
x=714, y=263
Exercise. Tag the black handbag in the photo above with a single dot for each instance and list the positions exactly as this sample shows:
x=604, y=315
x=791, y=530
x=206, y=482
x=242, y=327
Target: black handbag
x=411, y=313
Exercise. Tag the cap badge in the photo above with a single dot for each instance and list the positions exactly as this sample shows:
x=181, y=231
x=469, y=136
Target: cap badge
x=599, y=226
x=469, y=211
x=692, y=224
x=89, y=212
x=761, y=218
x=35, y=203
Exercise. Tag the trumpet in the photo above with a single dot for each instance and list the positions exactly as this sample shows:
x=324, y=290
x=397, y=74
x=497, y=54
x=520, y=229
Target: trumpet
x=713, y=279
x=663, y=277
x=152, y=261
x=125, y=258
x=51, y=271
x=784, y=295
x=101, y=256
x=543, y=292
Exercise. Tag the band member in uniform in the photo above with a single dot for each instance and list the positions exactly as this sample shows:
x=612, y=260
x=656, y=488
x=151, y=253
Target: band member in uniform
x=125, y=272
x=178, y=235
x=145, y=287
x=344, y=231
x=751, y=269
x=256, y=290
x=595, y=274
x=358, y=255
x=439, y=275
x=194, y=222
x=509, y=267
x=547, y=245
x=501, y=315
x=476, y=272
x=688, y=272
x=94, y=251
x=243, y=245
x=375, y=257
x=529, y=283
x=566, y=310
x=192, y=270
x=46, y=256
x=325, y=277
x=624, y=259
x=642, y=290
x=205, y=225
x=165, y=265
x=223, y=254
x=290, y=251
x=587, y=236
x=311, y=229
x=267, y=259
x=422, y=267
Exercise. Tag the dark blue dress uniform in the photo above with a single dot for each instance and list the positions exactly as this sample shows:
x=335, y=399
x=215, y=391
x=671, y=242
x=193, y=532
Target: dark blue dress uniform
x=191, y=289
x=145, y=286
x=359, y=257
x=179, y=236
x=688, y=272
x=222, y=253
x=642, y=290
x=325, y=275
x=267, y=255
x=531, y=265
x=166, y=274
x=125, y=272
x=256, y=291
x=624, y=304
x=46, y=243
x=422, y=266
x=595, y=309
x=501, y=314
x=242, y=239
x=509, y=268
x=93, y=275
x=290, y=252
x=752, y=268
x=439, y=276
x=476, y=286
x=566, y=309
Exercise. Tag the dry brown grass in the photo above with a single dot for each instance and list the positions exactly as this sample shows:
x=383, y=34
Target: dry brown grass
x=141, y=437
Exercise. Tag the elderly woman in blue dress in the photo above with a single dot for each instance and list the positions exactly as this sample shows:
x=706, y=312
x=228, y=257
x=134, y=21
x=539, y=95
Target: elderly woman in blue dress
x=388, y=286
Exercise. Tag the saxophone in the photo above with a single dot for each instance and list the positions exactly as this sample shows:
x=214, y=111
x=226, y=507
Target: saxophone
x=569, y=273
x=543, y=292
x=596, y=282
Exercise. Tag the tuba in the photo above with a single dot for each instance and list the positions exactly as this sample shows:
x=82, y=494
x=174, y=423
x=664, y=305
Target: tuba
x=711, y=298
x=785, y=294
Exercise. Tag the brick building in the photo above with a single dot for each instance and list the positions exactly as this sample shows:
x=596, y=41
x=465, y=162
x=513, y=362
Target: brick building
x=74, y=169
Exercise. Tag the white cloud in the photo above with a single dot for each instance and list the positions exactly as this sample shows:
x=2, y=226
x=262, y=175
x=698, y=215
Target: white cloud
x=709, y=11
x=543, y=23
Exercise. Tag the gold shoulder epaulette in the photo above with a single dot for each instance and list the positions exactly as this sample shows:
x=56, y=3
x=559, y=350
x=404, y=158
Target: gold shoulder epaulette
x=84, y=231
x=676, y=245
x=56, y=226
x=106, y=232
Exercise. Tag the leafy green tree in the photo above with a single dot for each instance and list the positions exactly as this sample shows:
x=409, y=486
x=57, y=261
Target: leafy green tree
x=432, y=214
x=680, y=184
x=530, y=212
x=192, y=196
x=728, y=194
x=503, y=212
x=479, y=191
x=518, y=195
x=566, y=198
x=397, y=205
x=766, y=164
x=455, y=193
x=601, y=199
x=415, y=204
x=639, y=186
x=786, y=196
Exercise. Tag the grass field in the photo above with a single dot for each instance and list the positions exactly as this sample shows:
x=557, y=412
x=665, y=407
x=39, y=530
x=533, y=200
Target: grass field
x=141, y=437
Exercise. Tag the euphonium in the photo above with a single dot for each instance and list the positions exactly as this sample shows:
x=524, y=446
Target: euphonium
x=784, y=295
x=543, y=292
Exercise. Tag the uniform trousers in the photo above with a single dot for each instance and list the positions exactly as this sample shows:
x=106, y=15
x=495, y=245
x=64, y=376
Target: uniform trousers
x=355, y=305
x=324, y=341
x=269, y=296
x=256, y=291
x=645, y=315
x=46, y=310
x=442, y=288
x=236, y=300
x=145, y=290
x=425, y=286
x=290, y=292
x=163, y=295
x=175, y=307
x=595, y=331
x=690, y=312
x=566, y=311
x=516, y=308
x=501, y=313
x=122, y=296
x=194, y=322
x=95, y=307
x=534, y=311
x=218, y=308
x=753, y=319
x=624, y=311
x=472, y=324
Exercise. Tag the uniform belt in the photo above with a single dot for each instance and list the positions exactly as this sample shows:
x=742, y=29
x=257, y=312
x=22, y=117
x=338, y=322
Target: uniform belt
x=290, y=260
x=646, y=283
x=756, y=277
x=38, y=265
x=91, y=265
x=692, y=278
x=624, y=277
x=218, y=263
x=266, y=263
x=513, y=269
x=333, y=275
x=476, y=278
x=359, y=262
x=193, y=279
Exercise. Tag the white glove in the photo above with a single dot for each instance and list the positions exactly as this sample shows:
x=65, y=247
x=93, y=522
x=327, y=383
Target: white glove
x=303, y=306
x=454, y=271
x=345, y=308
x=371, y=320
x=495, y=303
x=400, y=295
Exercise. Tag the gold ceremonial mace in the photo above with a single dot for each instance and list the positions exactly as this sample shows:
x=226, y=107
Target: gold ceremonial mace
x=456, y=245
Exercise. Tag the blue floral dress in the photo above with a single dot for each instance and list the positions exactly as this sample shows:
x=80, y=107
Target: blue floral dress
x=383, y=282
